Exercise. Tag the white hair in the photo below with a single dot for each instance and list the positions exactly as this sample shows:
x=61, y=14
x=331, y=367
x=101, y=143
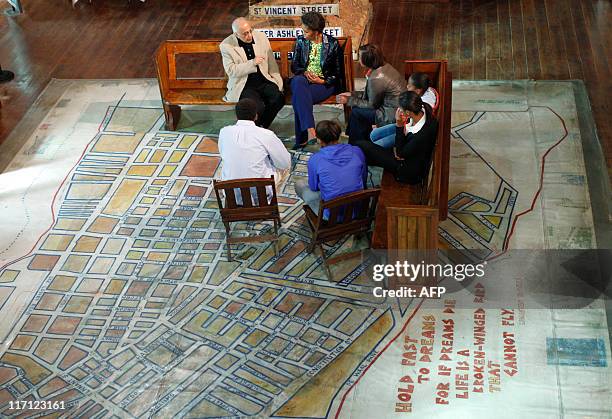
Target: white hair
x=237, y=23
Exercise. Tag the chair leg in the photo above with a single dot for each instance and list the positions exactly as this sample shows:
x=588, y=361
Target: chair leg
x=325, y=265
x=311, y=246
x=172, y=114
x=276, y=244
x=227, y=237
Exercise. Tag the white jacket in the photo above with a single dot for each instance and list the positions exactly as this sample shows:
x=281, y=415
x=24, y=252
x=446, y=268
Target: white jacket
x=238, y=68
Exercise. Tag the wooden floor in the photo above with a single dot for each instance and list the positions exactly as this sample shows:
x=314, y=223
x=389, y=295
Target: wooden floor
x=495, y=39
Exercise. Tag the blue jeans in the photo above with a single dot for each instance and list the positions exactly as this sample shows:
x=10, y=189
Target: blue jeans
x=384, y=136
x=303, y=97
x=310, y=197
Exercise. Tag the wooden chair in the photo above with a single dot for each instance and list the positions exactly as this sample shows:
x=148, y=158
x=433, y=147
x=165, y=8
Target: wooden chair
x=260, y=210
x=349, y=214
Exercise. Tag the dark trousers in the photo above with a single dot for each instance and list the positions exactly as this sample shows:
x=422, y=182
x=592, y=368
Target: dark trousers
x=378, y=156
x=269, y=100
x=303, y=97
x=360, y=124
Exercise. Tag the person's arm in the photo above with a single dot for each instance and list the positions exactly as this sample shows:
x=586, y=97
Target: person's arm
x=280, y=157
x=313, y=180
x=297, y=67
x=234, y=69
x=416, y=143
x=376, y=89
x=333, y=72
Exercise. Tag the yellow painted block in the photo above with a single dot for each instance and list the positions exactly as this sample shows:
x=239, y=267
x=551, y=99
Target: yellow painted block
x=70, y=224
x=158, y=256
x=167, y=170
x=217, y=302
x=160, y=182
x=187, y=141
x=103, y=225
x=134, y=255
x=115, y=286
x=87, y=244
x=162, y=212
x=147, y=200
x=62, y=283
x=124, y=197
x=252, y=314
x=109, y=143
x=142, y=156
x=157, y=156
x=8, y=275
x=75, y=263
x=57, y=242
x=142, y=170
x=88, y=190
x=140, y=211
x=176, y=156
x=177, y=187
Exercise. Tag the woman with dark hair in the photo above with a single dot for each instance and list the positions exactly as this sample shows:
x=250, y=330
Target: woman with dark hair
x=316, y=67
x=376, y=105
x=415, y=138
x=419, y=83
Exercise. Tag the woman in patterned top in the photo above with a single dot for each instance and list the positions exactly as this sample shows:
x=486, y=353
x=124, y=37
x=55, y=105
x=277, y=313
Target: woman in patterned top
x=316, y=68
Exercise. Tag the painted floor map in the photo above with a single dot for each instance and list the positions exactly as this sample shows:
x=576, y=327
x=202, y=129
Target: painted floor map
x=117, y=299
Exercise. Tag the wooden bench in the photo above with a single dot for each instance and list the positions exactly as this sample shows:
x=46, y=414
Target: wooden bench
x=407, y=216
x=176, y=91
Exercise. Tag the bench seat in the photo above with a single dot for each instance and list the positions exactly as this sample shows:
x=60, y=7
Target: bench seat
x=176, y=91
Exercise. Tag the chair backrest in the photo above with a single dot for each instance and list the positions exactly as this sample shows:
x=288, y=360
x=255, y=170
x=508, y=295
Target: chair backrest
x=166, y=62
x=348, y=214
x=259, y=208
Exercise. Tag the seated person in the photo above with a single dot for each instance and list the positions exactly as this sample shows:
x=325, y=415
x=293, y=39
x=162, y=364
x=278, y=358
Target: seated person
x=248, y=151
x=336, y=170
x=316, y=66
x=376, y=105
x=414, y=142
x=419, y=83
x=252, y=71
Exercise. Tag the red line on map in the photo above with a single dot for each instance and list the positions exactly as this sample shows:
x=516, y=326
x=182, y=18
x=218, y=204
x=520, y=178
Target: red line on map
x=542, y=165
x=55, y=197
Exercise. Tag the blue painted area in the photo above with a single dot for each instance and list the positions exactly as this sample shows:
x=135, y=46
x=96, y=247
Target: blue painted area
x=576, y=352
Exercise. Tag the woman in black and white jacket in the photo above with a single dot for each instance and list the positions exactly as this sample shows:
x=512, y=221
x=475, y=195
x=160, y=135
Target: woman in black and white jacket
x=415, y=138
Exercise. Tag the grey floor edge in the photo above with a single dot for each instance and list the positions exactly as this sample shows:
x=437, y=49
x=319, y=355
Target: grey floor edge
x=599, y=189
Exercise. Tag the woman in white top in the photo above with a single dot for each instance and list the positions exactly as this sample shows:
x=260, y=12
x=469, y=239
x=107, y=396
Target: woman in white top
x=421, y=85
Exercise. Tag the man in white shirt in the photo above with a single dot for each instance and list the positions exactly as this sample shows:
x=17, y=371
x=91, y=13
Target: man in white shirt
x=249, y=151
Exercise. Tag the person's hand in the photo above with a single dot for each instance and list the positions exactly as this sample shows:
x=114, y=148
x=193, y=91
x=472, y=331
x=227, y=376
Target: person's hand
x=397, y=157
x=342, y=99
x=258, y=60
x=317, y=80
x=400, y=118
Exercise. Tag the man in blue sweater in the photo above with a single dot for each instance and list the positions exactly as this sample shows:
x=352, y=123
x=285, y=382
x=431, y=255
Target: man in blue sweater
x=336, y=170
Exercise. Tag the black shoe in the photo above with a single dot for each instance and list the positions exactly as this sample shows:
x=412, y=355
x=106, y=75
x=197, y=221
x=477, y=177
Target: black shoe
x=298, y=146
x=6, y=75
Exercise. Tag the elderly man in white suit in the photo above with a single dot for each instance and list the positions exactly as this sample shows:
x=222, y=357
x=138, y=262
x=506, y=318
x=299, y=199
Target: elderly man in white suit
x=253, y=73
